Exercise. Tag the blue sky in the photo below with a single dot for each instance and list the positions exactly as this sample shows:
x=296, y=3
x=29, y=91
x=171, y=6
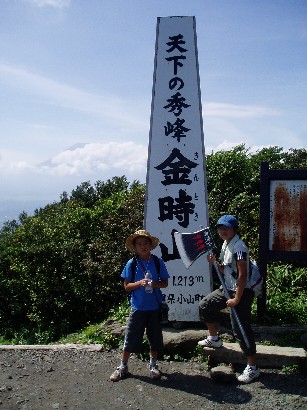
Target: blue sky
x=75, y=72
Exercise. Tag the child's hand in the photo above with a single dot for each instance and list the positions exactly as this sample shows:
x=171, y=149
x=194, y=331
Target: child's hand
x=232, y=302
x=211, y=258
x=144, y=282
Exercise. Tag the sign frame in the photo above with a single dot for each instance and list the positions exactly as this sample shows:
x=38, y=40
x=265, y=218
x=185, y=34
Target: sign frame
x=265, y=253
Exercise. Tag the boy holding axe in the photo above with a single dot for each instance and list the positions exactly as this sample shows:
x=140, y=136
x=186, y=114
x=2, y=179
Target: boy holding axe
x=235, y=294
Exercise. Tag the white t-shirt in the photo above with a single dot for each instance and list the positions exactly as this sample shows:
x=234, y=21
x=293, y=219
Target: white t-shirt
x=232, y=252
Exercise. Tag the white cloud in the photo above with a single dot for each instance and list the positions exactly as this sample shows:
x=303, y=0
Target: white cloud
x=124, y=157
x=212, y=109
x=51, y=3
x=223, y=146
x=22, y=180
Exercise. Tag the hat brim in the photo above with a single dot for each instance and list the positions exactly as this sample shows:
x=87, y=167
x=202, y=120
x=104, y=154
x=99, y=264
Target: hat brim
x=227, y=224
x=129, y=242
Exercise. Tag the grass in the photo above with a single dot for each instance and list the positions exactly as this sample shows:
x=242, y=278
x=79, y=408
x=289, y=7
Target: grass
x=102, y=332
x=292, y=369
x=95, y=334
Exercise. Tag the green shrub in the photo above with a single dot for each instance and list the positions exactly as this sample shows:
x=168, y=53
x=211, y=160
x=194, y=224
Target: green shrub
x=60, y=269
x=286, y=295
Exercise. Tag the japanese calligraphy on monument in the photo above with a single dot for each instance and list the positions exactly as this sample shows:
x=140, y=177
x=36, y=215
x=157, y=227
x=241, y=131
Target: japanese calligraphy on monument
x=176, y=197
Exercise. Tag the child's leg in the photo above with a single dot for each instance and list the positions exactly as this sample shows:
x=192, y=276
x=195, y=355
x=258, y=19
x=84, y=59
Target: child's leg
x=133, y=339
x=210, y=307
x=212, y=328
x=122, y=370
x=251, y=360
x=153, y=358
x=244, y=313
x=209, y=313
x=125, y=358
x=134, y=333
x=154, y=333
x=153, y=368
x=155, y=337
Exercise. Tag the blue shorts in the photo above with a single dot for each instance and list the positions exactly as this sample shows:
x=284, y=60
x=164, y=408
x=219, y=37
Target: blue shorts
x=138, y=321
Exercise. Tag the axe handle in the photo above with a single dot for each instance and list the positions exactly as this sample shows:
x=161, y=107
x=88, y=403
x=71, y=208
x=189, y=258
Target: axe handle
x=235, y=314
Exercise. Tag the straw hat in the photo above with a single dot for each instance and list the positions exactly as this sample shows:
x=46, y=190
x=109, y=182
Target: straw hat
x=141, y=232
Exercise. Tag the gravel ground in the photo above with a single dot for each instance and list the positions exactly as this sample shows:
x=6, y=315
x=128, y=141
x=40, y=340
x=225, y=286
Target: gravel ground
x=78, y=379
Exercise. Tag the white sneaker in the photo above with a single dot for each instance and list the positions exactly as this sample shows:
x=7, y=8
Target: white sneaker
x=120, y=373
x=211, y=343
x=154, y=372
x=248, y=375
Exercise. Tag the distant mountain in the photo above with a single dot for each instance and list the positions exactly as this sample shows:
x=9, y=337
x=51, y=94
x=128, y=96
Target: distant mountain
x=10, y=210
x=49, y=163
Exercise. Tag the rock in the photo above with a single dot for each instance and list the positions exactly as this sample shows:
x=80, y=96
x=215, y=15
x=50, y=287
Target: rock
x=182, y=340
x=304, y=341
x=267, y=356
x=179, y=325
x=185, y=340
x=66, y=346
x=223, y=374
x=277, y=334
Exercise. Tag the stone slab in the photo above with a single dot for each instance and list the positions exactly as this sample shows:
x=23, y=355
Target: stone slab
x=267, y=356
x=66, y=346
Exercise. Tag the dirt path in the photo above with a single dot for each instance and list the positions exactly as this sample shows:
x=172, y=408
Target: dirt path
x=72, y=379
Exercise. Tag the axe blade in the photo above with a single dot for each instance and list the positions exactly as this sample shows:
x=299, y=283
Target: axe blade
x=191, y=245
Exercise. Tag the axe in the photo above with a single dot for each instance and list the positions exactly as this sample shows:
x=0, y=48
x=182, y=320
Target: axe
x=190, y=247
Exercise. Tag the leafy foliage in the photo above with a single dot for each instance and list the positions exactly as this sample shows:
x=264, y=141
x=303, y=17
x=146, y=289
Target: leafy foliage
x=59, y=269
x=234, y=185
x=286, y=295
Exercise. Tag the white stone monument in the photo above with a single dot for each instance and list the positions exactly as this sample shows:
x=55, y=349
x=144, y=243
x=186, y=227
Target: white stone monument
x=176, y=196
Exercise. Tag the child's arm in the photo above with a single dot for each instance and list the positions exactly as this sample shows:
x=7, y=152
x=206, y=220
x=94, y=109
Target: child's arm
x=130, y=286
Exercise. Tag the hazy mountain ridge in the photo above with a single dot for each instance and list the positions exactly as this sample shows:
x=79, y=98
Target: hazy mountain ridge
x=11, y=209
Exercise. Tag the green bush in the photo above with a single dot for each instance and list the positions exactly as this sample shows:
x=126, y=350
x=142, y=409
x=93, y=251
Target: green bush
x=286, y=295
x=59, y=270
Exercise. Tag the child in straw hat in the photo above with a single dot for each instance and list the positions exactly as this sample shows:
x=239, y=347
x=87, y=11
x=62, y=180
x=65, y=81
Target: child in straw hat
x=145, y=306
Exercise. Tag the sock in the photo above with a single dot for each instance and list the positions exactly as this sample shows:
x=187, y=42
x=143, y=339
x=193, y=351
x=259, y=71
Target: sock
x=153, y=362
x=214, y=338
x=253, y=367
x=123, y=364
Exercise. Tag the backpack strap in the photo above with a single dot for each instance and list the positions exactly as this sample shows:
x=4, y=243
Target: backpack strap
x=133, y=268
x=157, y=265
